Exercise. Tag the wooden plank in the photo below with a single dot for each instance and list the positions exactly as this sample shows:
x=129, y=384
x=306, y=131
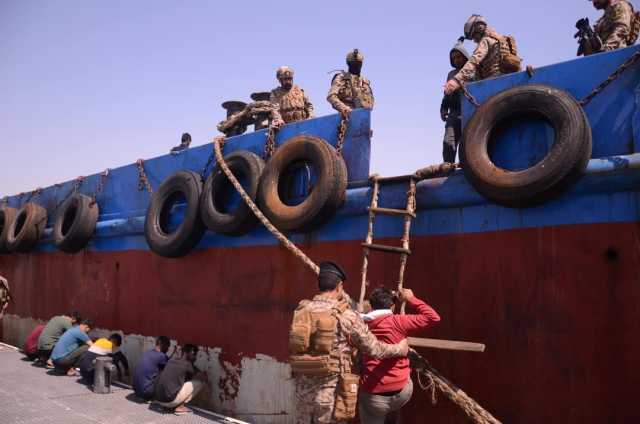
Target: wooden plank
x=390, y=249
x=446, y=344
x=387, y=211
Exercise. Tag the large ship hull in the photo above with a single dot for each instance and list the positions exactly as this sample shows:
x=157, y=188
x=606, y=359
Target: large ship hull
x=551, y=290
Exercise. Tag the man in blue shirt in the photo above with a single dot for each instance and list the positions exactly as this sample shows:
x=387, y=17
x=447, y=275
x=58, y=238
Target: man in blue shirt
x=150, y=365
x=72, y=345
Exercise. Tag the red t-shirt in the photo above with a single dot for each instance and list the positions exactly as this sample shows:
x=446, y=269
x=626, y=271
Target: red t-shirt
x=31, y=345
x=390, y=375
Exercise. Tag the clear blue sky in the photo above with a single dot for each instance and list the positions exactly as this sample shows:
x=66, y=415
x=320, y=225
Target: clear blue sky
x=87, y=84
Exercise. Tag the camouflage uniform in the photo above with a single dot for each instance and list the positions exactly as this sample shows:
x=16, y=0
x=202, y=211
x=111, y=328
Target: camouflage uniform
x=348, y=90
x=315, y=396
x=614, y=26
x=292, y=105
x=5, y=296
x=485, y=61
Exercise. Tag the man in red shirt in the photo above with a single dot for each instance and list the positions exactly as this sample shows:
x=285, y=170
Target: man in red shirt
x=386, y=384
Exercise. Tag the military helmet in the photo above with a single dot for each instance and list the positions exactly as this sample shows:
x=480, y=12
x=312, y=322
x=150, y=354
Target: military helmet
x=355, y=56
x=284, y=72
x=471, y=23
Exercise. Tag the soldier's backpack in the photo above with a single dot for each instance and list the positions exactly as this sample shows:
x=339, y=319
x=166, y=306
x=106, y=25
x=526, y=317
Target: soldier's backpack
x=510, y=62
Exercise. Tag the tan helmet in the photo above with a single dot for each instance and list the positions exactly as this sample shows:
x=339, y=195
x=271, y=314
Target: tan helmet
x=355, y=56
x=284, y=72
x=471, y=23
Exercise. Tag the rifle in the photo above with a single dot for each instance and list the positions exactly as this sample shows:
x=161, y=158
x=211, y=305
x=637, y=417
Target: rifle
x=588, y=41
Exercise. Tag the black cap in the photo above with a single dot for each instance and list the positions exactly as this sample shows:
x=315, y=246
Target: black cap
x=329, y=267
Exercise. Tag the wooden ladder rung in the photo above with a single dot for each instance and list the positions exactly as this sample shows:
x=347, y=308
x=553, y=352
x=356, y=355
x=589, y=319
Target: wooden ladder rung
x=387, y=211
x=383, y=248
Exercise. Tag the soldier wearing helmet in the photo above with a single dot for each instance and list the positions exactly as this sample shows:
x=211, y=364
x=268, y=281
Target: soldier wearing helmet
x=615, y=28
x=485, y=61
x=290, y=101
x=349, y=89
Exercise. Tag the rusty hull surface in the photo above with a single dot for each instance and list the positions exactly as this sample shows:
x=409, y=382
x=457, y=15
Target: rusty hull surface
x=556, y=306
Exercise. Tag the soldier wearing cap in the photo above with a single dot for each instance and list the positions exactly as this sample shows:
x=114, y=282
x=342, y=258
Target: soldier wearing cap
x=614, y=29
x=316, y=393
x=5, y=295
x=485, y=61
x=350, y=90
x=290, y=101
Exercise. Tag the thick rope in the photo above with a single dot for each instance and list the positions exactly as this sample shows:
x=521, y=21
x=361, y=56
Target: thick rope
x=277, y=234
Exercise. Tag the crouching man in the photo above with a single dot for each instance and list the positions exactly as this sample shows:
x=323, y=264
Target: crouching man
x=385, y=384
x=73, y=344
x=180, y=381
x=149, y=367
x=104, y=347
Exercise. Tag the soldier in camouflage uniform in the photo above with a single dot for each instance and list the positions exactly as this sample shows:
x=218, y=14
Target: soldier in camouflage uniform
x=5, y=295
x=350, y=90
x=316, y=395
x=485, y=61
x=614, y=27
x=292, y=104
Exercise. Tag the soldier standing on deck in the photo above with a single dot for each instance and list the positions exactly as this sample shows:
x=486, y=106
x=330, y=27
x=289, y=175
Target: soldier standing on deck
x=292, y=104
x=616, y=29
x=324, y=335
x=486, y=59
x=350, y=90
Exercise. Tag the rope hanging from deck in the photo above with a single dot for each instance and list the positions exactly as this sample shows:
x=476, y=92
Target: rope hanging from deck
x=217, y=142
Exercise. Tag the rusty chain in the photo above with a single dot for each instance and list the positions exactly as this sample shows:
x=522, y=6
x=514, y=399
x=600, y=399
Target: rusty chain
x=143, y=181
x=99, y=186
x=342, y=132
x=468, y=95
x=627, y=63
x=76, y=186
x=270, y=145
x=33, y=194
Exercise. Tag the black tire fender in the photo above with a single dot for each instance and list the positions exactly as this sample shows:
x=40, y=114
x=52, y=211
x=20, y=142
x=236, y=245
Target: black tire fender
x=75, y=223
x=326, y=196
x=7, y=215
x=244, y=165
x=176, y=243
x=27, y=228
x=565, y=162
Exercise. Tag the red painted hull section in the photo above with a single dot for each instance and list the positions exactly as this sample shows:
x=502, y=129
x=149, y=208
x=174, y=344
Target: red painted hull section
x=557, y=307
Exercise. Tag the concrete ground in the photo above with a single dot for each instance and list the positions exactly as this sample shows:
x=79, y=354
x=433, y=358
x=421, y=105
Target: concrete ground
x=30, y=394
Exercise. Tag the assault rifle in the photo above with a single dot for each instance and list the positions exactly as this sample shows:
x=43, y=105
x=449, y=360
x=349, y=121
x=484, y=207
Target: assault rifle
x=588, y=41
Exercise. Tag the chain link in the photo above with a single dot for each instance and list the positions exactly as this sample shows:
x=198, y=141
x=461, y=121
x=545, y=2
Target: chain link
x=76, y=186
x=342, y=132
x=212, y=157
x=33, y=194
x=143, y=181
x=468, y=95
x=627, y=63
x=99, y=185
x=270, y=145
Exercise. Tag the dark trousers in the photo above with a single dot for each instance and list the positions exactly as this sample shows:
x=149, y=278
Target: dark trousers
x=72, y=359
x=44, y=355
x=452, y=136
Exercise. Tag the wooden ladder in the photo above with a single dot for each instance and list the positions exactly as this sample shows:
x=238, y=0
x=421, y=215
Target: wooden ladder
x=409, y=213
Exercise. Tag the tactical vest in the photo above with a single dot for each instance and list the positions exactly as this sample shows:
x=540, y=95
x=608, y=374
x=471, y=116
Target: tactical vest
x=292, y=106
x=313, y=348
x=501, y=59
x=490, y=66
x=356, y=92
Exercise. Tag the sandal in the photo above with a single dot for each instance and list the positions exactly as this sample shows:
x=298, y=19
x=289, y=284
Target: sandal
x=182, y=410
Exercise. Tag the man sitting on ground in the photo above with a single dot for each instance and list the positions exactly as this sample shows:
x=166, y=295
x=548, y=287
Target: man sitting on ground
x=103, y=347
x=152, y=362
x=52, y=332
x=386, y=384
x=180, y=381
x=30, y=348
x=71, y=347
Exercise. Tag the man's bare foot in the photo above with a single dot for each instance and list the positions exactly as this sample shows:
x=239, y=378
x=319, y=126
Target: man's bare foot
x=71, y=372
x=181, y=410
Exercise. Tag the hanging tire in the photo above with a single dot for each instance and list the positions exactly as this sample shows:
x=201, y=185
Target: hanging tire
x=75, y=223
x=174, y=243
x=245, y=166
x=325, y=197
x=7, y=215
x=27, y=228
x=565, y=162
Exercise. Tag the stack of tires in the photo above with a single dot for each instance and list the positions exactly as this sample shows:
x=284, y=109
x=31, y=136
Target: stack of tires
x=206, y=205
